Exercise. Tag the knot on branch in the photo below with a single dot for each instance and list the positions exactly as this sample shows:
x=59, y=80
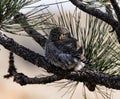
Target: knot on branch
x=20, y=78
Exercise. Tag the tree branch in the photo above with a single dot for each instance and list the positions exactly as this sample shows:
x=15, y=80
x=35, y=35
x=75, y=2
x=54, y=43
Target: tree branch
x=95, y=12
x=84, y=75
x=99, y=14
x=23, y=79
x=21, y=51
x=116, y=8
x=22, y=20
x=29, y=55
x=108, y=80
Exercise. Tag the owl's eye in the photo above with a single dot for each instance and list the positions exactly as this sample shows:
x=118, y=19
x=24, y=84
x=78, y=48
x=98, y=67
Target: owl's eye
x=62, y=36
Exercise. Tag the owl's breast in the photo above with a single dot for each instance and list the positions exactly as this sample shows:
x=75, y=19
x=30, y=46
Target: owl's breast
x=66, y=46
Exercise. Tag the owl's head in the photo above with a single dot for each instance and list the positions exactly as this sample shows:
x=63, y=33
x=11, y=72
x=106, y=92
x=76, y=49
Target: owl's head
x=59, y=33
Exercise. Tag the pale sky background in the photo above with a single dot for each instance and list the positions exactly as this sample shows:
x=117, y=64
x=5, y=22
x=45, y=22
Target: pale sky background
x=67, y=6
x=11, y=90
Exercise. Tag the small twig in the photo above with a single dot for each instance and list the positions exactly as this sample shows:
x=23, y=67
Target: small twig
x=11, y=69
x=109, y=10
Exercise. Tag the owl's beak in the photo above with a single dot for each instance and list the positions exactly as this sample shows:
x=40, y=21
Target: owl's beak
x=62, y=36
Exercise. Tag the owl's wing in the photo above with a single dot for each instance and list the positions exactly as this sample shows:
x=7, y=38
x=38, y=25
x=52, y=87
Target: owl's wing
x=57, y=57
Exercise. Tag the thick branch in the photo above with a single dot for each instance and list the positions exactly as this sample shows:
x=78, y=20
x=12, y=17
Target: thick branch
x=28, y=55
x=116, y=8
x=22, y=20
x=108, y=80
x=95, y=12
x=21, y=51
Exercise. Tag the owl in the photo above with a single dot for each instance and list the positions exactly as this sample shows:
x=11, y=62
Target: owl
x=62, y=50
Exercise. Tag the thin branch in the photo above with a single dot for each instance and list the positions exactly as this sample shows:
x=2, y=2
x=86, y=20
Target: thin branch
x=23, y=79
x=95, y=12
x=22, y=20
x=116, y=8
x=99, y=14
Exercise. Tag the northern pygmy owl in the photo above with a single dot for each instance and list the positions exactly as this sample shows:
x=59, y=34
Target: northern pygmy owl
x=63, y=51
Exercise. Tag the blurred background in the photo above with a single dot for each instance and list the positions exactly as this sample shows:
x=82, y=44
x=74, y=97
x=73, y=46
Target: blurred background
x=12, y=90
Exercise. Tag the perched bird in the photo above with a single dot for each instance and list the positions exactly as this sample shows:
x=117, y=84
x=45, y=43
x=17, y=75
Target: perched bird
x=62, y=50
